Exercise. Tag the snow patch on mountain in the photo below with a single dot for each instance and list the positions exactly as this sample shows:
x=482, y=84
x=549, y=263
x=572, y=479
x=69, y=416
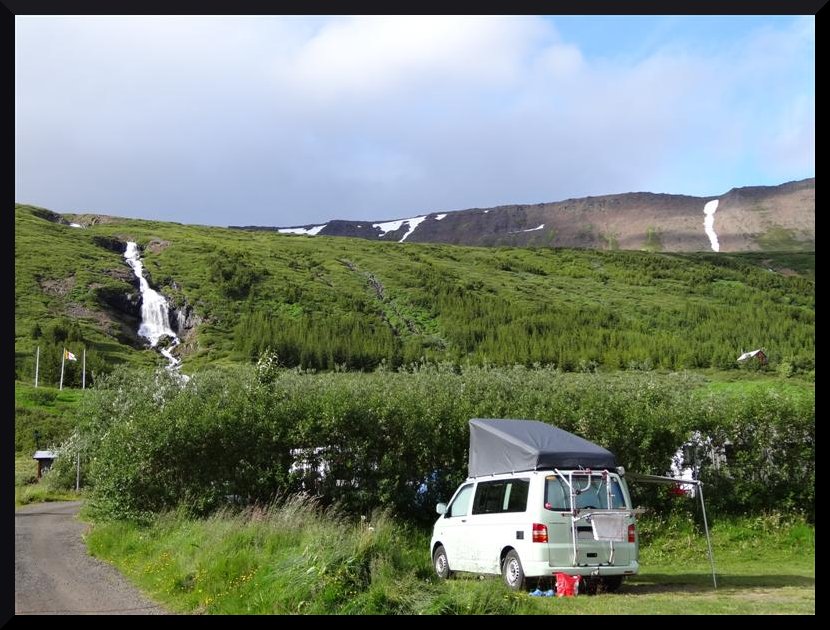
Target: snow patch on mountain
x=313, y=231
x=413, y=223
x=530, y=230
x=391, y=226
x=709, y=223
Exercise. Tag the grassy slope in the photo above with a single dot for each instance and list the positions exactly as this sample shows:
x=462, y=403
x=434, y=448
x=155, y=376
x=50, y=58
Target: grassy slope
x=500, y=305
x=51, y=413
x=59, y=272
x=645, y=298
x=292, y=560
x=46, y=410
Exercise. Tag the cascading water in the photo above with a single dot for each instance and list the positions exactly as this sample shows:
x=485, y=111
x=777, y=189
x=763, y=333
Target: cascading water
x=155, y=313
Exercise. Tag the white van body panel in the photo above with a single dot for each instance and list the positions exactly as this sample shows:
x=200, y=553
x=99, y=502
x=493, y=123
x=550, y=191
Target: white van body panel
x=477, y=541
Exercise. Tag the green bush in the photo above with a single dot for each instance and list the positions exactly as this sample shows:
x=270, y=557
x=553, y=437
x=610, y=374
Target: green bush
x=52, y=429
x=770, y=446
x=233, y=273
x=399, y=440
x=44, y=396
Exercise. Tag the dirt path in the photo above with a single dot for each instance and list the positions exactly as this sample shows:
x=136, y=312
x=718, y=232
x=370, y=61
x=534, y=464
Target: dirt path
x=54, y=575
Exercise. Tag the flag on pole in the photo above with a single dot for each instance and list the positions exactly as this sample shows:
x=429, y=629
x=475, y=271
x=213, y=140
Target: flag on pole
x=69, y=355
x=63, y=361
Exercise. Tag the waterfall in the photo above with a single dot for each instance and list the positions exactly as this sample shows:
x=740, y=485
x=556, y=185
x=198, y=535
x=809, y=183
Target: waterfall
x=155, y=312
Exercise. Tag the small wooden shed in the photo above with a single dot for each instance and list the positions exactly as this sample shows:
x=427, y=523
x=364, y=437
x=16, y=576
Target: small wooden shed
x=44, y=461
x=758, y=355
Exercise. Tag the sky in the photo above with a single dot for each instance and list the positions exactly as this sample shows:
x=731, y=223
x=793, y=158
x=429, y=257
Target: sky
x=284, y=121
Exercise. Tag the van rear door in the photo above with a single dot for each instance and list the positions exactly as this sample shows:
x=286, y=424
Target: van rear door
x=573, y=497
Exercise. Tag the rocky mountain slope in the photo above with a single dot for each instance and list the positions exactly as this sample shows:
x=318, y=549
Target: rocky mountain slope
x=757, y=218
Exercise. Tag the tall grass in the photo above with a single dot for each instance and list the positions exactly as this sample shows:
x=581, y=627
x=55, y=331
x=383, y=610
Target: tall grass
x=296, y=557
x=28, y=489
x=288, y=558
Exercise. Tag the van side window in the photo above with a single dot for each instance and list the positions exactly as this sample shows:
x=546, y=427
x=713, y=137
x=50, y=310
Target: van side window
x=461, y=505
x=499, y=497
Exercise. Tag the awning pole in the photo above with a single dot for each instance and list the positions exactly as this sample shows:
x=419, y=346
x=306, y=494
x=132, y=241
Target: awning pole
x=708, y=540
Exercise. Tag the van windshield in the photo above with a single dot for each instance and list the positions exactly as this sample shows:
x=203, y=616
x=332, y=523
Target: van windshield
x=590, y=492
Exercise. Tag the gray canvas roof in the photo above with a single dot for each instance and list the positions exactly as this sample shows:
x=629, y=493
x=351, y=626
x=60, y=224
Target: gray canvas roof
x=500, y=446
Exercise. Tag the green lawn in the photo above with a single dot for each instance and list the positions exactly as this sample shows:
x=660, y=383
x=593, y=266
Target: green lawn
x=754, y=382
x=295, y=560
x=47, y=411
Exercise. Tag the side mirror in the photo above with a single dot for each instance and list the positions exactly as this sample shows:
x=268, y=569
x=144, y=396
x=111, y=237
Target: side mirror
x=441, y=508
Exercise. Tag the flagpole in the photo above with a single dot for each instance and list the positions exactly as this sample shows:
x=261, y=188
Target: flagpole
x=63, y=360
x=37, y=364
x=83, y=378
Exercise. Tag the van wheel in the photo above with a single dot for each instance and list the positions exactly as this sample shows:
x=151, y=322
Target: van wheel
x=439, y=561
x=512, y=572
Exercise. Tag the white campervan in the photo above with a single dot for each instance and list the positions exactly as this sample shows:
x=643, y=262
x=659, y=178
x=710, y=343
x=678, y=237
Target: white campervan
x=538, y=501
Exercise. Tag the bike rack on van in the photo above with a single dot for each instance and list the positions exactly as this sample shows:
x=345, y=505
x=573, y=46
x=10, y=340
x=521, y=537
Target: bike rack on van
x=587, y=516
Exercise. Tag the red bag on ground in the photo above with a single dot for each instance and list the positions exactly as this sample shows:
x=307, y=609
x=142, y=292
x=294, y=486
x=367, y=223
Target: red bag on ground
x=567, y=585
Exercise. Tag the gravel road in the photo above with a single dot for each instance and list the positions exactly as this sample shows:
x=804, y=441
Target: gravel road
x=53, y=574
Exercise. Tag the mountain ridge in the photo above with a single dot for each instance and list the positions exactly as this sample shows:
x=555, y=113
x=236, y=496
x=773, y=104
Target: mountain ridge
x=748, y=218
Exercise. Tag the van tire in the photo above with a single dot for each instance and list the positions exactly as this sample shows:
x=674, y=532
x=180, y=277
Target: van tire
x=440, y=563
x=512, y=572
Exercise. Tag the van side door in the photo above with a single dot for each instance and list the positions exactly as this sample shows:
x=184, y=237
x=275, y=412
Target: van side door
x=453, y=529
x=499, y=519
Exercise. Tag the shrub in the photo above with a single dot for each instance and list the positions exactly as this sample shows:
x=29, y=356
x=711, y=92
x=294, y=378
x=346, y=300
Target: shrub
x=399, y=440
x=51, y=429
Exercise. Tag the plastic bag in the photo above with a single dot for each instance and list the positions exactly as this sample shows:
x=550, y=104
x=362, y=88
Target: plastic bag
x=567, y=585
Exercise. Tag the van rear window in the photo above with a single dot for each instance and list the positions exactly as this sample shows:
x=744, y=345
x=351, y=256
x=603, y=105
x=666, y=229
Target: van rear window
x=499, y=497
x=588, y=494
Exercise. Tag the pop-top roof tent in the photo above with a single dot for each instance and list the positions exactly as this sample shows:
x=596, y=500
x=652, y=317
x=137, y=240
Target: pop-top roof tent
x=507, y=446
x=503, y=446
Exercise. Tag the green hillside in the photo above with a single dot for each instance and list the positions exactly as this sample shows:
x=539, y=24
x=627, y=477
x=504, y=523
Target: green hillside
x=327, y=303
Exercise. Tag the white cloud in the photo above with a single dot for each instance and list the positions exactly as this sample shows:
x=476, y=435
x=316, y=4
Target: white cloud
x=562, y=60
x=375, y=56
x=293, y=121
